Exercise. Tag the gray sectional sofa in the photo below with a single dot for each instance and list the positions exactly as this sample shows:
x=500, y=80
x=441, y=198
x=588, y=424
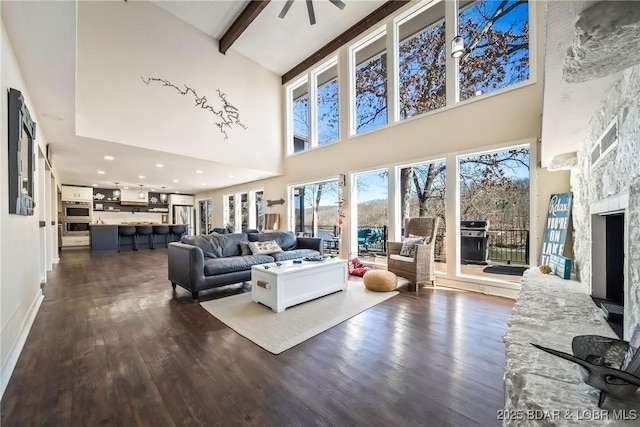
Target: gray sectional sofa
x=210, y=261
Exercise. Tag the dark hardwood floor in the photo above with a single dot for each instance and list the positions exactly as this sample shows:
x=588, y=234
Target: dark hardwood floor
x=114, y=345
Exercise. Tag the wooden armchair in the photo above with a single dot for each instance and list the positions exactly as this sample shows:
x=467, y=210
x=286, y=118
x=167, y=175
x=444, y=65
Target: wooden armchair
x=421, y=267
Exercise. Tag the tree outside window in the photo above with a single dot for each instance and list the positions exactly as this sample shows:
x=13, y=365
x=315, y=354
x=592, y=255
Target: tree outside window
x=496, y=39
x=422, y=62
x=327, y=105
x=300, y=117
x=371, y=84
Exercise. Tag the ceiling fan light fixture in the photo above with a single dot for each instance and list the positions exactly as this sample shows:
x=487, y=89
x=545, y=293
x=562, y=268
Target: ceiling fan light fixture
x=310, y=10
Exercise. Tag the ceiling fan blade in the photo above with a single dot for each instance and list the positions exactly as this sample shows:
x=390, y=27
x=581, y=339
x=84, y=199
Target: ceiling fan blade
x=338, y=3
x=312, y=14
x=285, y=9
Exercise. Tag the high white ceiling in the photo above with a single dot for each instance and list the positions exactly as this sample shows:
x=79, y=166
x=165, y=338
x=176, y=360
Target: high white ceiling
x=46, y=50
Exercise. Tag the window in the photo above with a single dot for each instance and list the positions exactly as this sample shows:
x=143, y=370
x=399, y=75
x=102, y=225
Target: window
x=244, y=211
x=300, y=116
x=315, y=211
x=371, y=196
x=422, y=193
x=327, y=104
x=229, y=211
x=496, y=37
x=259, y=210
x=494, y=190
x=422, y=61
x=370, y=84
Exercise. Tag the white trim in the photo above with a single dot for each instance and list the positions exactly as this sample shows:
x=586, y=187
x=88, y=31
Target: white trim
x=480, y=286
x=18, y=344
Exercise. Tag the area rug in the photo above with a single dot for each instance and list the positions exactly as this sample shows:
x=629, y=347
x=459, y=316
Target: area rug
x=277, y=332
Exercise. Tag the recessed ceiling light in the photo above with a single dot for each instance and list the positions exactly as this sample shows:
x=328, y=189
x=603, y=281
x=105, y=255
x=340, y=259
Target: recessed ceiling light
x=141, y=176
x=108, y=157
x=101, y=172
x=231, y=176
x=153, y=189
x=94, y=185
x=176, y=192
x=159, y=165
x=126, y=188
x=198, y=171
x=175, y=180
x=204, y=183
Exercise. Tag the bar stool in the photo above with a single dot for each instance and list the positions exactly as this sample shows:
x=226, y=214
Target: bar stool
x=161, y=230
x=177, y=229
x=145, y=230
x=127, y=230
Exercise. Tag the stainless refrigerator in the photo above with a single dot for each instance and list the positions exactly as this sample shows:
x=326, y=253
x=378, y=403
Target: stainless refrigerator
x=184, y=215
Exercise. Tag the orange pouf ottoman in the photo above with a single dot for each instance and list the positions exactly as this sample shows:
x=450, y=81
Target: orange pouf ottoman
x=380, y=280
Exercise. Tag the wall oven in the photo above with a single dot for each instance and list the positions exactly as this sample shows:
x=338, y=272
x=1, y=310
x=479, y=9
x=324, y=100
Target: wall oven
x=75, y=227
x=76, y=211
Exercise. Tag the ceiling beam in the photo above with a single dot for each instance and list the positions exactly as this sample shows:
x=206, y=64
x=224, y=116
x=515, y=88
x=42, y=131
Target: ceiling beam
x=361, y=26
x=242, y=22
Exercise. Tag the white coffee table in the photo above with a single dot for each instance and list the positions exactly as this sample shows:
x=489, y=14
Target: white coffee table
x=279, y=287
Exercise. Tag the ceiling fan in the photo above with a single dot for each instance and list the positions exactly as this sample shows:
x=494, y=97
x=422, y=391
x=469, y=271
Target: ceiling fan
x=312, y=15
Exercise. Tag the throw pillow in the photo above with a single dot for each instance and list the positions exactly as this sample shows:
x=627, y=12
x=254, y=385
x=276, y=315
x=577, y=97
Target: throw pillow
x=264, y=248
x=244, y=249
x=359, y=271
x=409, y=245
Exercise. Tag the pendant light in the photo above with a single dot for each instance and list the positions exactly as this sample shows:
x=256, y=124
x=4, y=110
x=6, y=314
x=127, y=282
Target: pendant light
x=116, y=192
x=163, y=196
x=141, y=195
x=457, y=44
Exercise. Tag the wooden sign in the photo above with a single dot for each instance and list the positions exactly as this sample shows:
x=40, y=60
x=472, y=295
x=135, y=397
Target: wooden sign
x=555, y=234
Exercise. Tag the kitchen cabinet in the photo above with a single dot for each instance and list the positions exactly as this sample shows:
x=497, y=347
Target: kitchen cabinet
x=181, y=199
x=78, y=194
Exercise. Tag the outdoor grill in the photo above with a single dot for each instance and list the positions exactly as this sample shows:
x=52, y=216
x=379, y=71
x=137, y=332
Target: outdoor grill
x=473, y=242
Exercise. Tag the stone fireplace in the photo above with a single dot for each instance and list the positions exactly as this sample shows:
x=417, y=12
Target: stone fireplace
x=606, y=196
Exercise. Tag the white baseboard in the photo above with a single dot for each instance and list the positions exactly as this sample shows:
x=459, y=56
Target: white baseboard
x=484, y=288
x=18, y=344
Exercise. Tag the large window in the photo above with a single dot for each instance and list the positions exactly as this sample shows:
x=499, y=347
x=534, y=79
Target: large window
x=496, y=38
x=407, y=77
x=229, y=216
x=244, y=210
x=300, y=117
x=371, y=194
x=422, y=61
x=494, y=213
x=259, y=210
x=422, y=194
x=327, y=104
x=370, y=84
x=314, y=108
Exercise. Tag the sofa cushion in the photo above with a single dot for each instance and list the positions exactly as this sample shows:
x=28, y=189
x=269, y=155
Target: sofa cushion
x=213, y=266
x=285, y=239
x=294, y=254
x=217, y=245
x=264, y=248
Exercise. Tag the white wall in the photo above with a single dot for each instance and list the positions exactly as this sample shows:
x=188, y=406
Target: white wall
x=114, y=104
x=20, y=294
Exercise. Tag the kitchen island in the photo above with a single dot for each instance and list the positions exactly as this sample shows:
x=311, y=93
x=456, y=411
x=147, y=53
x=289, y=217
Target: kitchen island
x=104, y=237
